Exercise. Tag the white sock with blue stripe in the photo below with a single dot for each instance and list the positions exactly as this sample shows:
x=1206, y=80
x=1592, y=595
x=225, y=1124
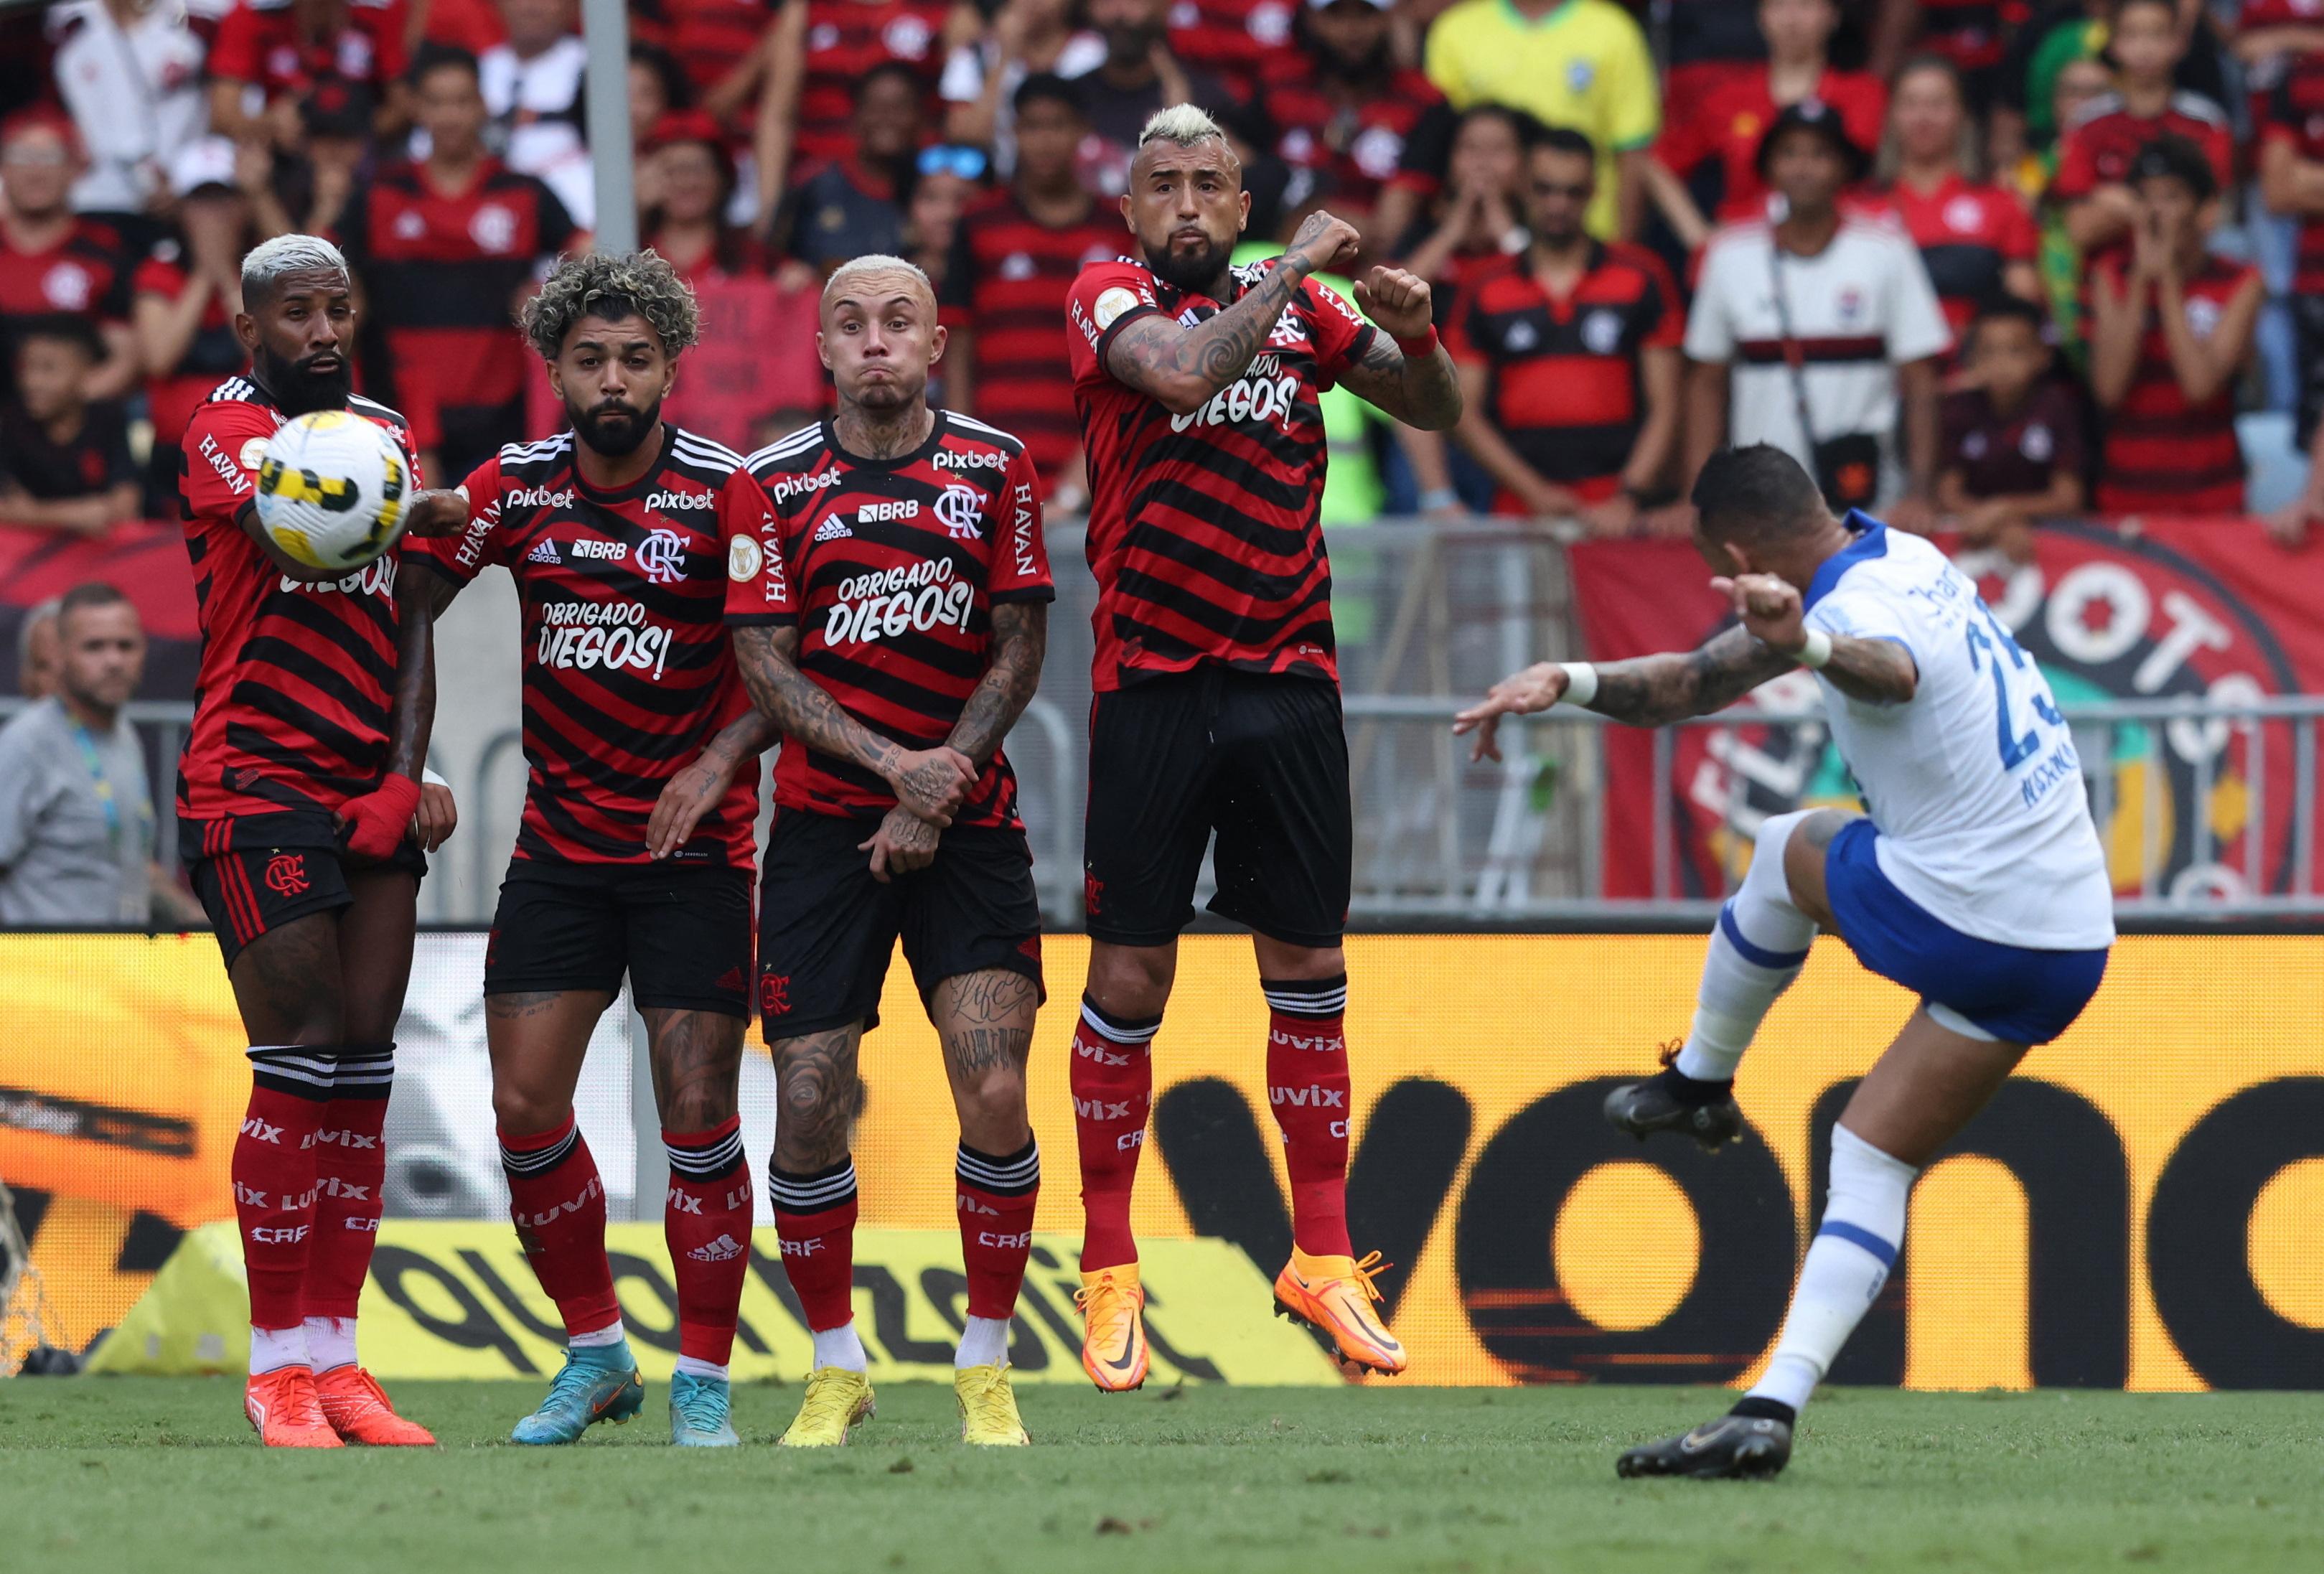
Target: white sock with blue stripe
x=1846, y=1263
x=1756, y=950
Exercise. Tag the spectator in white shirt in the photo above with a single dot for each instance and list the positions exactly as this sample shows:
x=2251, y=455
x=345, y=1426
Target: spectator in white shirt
x=130, y=72
x=1820, y=331
x=532, y=92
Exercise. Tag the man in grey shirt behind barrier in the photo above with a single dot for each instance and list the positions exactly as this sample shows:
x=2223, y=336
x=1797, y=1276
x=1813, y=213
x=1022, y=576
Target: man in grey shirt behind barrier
x=75, y=811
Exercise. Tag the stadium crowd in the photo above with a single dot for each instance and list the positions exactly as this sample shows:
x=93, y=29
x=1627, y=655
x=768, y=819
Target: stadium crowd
x=1981, y=262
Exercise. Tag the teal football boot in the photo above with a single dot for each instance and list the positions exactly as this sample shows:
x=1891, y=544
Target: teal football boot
x=597, y=1384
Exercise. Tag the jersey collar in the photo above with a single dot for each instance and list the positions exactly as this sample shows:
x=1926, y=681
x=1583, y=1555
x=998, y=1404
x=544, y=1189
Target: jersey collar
x=937, y=427
x=1871, y=541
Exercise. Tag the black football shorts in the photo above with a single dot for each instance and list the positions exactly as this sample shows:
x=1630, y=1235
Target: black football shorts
x=827, y=929
x=682, y=932
x=257, y=872
x=1259, y=758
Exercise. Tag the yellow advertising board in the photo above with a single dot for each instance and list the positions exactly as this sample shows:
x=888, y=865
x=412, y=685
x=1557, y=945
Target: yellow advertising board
x=2137, y=1210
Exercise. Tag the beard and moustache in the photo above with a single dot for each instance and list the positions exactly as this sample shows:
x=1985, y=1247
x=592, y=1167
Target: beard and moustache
x=614, y=429
x=1192, y=272
x=298, y=388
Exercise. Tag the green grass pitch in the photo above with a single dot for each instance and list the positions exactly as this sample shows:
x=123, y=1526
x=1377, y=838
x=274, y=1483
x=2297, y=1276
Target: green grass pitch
x=129, y=1473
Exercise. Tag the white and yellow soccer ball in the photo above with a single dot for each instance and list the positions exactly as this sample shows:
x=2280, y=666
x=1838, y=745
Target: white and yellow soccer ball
x=333, y=490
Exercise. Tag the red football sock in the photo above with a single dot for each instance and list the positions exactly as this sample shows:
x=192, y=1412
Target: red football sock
x=708, y=1223
x=558, y=1204
x=1112, y=1082
x=1307, y=1088
x=996, y=1198
x=350, y=1169
x=273, y=1173
x=815, y=1218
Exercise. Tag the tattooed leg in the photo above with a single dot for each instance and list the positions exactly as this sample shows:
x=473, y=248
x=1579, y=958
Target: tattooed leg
x=698, y=1059
x=698, y=1066
x=985, y=1020
x=819, y=1097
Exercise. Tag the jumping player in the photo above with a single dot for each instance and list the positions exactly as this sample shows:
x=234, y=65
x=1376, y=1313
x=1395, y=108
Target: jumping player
x=1217, y=690
x=1976, y=880
x=297, y=822
x=634, y=852
x=892, y=618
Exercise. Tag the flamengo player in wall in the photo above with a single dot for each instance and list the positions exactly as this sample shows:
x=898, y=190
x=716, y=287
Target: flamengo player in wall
x=634, y=854
x=1217, y=690
x=892, y=617
x=297, y=821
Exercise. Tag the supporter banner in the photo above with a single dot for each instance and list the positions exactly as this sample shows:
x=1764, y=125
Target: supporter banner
x=2192, y=607
x=146, y=561
x=2138, y=1210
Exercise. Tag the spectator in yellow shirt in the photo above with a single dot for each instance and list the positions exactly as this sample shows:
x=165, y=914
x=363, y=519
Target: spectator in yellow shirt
x=1578, y=63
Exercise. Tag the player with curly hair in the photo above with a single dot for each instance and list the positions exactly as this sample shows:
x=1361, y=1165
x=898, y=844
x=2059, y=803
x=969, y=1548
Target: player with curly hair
x=634, y=855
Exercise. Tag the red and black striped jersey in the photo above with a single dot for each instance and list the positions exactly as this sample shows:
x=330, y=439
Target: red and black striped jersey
x=1231, y=39
x=85, y=275
x=1202, y=527
x=889, y=570
x=1969, y=234
x=260, y=41
x=1566, y=385
x=291, y=698
x=2163, y=454
x=845, y=39
x=442, y=271
x=2098, y=148
x=2293, y=115
x=1727, y=123
x=1007, y=280
x=707, y=37
x=628, y=669
x=1361, y=146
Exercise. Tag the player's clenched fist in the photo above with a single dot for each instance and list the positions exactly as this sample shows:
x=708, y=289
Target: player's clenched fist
x=1325, y=243
x=436, y=512
x=1397, y=301
x=1769, y=608
x=1537, y=688
x=931, y=783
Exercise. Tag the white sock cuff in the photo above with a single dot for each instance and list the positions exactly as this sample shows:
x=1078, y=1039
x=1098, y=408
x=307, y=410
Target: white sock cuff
x=597, y=1338
x=1861, y=1160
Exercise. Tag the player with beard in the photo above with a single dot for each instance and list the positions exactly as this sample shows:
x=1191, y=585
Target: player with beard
x=892, y=618
x=634, y=852
x=297, y=819
x=1217, y=704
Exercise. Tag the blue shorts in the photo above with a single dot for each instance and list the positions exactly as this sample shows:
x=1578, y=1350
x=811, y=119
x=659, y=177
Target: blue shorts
x=2018, y=995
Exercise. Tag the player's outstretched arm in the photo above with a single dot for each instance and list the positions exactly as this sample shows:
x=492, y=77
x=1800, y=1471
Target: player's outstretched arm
x=930, y=783
x=1646, y=690
x=1423, y=391
x=1181, y=368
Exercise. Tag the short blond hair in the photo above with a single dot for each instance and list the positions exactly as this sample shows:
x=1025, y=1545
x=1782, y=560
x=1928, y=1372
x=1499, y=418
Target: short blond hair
x=1182, y=124
x=873, y=263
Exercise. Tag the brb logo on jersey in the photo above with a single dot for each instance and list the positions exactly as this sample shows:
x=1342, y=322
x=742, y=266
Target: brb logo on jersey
x=662, y=557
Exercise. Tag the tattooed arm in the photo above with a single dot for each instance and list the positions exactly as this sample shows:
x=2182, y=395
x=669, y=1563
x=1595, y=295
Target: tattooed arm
x=928, y=782
x=691, y=794
x=1423, y=393
x=1182, y=367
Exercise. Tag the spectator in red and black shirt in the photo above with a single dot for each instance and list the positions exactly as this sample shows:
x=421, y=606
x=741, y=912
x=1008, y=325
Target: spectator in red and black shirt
x=1141, y=74
x=1976, y=238
x=447, y=249
x=2097, y=151
x=2172, y=332
x=2012, y=449
x=684, y=177
x=1708, y=46
x=64, y=461
x=1014, y=259
x=1569, y=358
x=2291, y=179
x=1232, y=40
x=52, y=261
x=818, y=55
x=1341, y=105
x=185, y=296
x=1709, y=153
x=287, y=49
x=720, y=45
x=1971, y=34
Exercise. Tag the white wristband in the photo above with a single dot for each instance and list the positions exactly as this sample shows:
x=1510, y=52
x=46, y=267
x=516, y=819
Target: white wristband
x=1816, y=651
x=1581, y=682
x=429, y=778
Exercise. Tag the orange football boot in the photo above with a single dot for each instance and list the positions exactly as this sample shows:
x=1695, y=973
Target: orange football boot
x=283, y=1406
x=1335, y=1296
x=1113, y=1344
x=359, y=1411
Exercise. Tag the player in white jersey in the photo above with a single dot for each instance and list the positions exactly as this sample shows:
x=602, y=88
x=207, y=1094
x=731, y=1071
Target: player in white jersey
x=1976, y=880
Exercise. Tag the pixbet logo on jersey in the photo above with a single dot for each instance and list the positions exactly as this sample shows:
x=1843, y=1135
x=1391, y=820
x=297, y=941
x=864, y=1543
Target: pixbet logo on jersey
x=801, y=485
x=901, y=601
x=954, y=459
x=582, y=636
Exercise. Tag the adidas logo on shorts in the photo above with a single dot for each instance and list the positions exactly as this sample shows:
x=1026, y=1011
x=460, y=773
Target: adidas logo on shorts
x=544, y=551
x=833, y=530
x=725, y=1249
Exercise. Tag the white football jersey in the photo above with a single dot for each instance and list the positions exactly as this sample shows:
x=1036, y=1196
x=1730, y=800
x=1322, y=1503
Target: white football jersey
x=1973, y=784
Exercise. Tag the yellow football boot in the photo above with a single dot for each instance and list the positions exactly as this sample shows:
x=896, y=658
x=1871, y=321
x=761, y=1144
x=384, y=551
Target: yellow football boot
x=1114, y=1341
x=987, y=1408
x=837, y=1400
x=1335, y=1296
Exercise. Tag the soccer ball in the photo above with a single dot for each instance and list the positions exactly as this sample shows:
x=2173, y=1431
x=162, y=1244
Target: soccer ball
x=332, y=490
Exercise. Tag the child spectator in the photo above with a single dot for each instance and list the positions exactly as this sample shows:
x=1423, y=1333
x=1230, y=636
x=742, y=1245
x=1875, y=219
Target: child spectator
x=2012, y=438
x=64, y=461
x=2172, y=330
